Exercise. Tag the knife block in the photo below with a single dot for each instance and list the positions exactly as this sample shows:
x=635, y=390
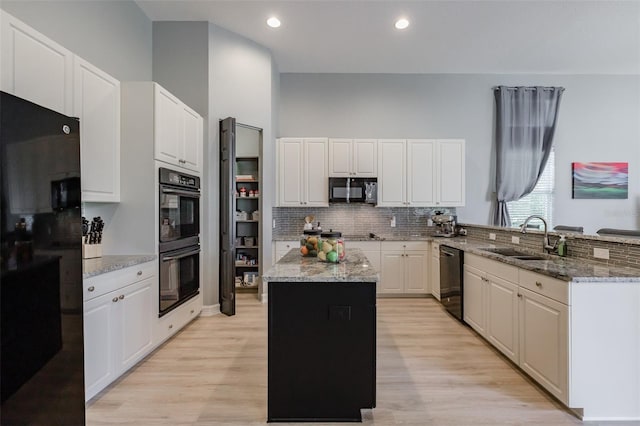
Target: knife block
x=89, y=251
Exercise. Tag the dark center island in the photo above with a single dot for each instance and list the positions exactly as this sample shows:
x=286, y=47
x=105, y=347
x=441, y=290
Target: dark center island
x=322, y=338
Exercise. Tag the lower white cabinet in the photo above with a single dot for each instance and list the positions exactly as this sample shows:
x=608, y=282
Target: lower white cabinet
x=435, y=270
x=280, y=248
x=543, y=342
x=404, y=267
x=514, y=310
x=371, y=249
x=118, y=323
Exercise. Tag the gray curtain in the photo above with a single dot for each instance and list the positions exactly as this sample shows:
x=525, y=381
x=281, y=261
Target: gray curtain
x=526, y=120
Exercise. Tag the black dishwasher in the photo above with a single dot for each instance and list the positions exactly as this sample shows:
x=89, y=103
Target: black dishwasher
x=451, y=261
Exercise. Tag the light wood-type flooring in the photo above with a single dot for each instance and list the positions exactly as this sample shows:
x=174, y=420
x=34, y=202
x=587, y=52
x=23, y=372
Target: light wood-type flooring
x=432, y=370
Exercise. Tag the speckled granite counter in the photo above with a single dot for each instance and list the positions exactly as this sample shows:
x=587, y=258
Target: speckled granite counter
x=104, y=264
x=567, y=269
x=379, y=237
x=295, y=268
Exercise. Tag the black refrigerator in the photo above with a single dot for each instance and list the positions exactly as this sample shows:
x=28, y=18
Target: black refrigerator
x=41, y=353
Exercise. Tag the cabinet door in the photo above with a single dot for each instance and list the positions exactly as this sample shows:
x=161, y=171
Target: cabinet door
x=97, y=104
x=290, y=169
x=392, y=272
x=316, y=173
x=136, y=314
x=340, y=157
x=99, y=350
x=191, y=157
x=391, y=173
x=451, y=176
x=543, y=341
x=435, y=274
x=502, y=317
x=421, y=175
x=416, y=272
x=365, y=158
x=168, y=127
x=474, y=299
x=34, y=67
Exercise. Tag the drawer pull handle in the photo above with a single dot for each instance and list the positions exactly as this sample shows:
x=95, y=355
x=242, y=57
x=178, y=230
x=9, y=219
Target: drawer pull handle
x=538, y=283
x=91, y=288
x=170, y=326
x=485, y=279
x=139, y=273
x=115, y=299
x=121, y=297
x=192, y=311
x=519, y=295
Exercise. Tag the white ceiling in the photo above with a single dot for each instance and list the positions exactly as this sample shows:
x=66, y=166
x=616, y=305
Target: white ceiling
x=509, y=36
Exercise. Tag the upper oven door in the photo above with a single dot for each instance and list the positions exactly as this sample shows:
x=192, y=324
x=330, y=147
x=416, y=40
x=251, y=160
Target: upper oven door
x=179, y=214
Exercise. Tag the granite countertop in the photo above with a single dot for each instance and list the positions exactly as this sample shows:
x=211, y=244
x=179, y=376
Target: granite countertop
x=295, y=268
x=566, y=269
x=379, y=237
x=104, y=264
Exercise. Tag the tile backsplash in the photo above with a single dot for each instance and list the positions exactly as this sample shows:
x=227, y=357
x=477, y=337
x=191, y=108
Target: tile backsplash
x=356, y=219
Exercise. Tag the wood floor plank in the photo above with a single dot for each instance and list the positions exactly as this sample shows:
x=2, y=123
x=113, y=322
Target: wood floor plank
x=431, y=370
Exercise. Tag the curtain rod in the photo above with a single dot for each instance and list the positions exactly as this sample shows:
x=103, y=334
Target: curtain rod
x=527, y=88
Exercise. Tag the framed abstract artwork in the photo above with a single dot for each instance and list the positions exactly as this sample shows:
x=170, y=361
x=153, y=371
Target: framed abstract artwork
x=600, y=180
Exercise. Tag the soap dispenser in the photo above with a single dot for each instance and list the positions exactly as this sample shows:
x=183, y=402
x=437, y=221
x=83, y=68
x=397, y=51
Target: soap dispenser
x=562, y=246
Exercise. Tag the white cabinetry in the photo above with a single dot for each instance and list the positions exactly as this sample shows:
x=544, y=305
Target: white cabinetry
x=280, y=248
x=34, y=67
x=371, y=249
x=97, y=104
x=41, y=71
x=474, y=296
x=303, y=172
x=178, y=131
x=404, y=267
x=420, y=172
x=435, y=270
x=353, y=157
x=118, y=321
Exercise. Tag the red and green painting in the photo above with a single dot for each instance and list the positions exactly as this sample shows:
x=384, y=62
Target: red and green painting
x=601, y=180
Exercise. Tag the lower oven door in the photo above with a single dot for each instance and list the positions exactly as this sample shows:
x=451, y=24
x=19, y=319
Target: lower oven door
x=179, y=277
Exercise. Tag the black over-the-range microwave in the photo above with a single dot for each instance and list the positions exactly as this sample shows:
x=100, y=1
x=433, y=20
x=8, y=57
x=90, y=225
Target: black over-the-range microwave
x=353, y=190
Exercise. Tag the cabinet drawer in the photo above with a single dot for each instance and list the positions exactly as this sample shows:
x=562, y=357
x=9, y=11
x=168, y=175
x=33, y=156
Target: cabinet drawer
x=363, y=245
x=169, y=324
x=493, y=267
x=405, y=245
x=111, y=281
x=550, y=287
x=285, y=246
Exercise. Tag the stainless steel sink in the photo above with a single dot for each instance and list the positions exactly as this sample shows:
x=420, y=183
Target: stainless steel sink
x=513, y=253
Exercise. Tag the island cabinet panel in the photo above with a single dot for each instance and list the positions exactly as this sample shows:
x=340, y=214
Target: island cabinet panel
x=322, y=350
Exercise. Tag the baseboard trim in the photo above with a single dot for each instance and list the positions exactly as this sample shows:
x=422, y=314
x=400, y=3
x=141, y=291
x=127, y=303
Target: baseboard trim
x=210, y=310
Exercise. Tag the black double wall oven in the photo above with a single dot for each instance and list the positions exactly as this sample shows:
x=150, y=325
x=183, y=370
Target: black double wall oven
x=179, y=245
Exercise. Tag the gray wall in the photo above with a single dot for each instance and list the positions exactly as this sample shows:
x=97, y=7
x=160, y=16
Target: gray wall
x=241, y=86
x=598, y=121
x=115, y=36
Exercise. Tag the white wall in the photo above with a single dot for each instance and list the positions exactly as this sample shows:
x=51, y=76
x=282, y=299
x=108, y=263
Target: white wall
x=115, y=36
x=598, y=121
x=241, y=86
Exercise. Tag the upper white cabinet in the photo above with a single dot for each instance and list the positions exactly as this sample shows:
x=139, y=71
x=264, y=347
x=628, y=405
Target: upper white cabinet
x=41, y=71
x=303, y=172
x=353, y=157
x=97, y=103
x=420, y=173
x=178, y=132
x=450, y=176
x=34, y=67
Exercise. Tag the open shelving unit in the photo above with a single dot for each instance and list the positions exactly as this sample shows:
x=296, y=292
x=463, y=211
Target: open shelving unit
x=247, y=203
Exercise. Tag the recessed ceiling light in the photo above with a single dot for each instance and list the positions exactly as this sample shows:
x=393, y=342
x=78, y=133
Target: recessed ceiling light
x=273, y=22
x=402, y=23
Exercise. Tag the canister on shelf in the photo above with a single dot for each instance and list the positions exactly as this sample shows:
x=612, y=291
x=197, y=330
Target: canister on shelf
x=331, y=247
x=309, y=243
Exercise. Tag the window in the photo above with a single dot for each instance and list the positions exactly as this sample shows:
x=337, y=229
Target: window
x=539, y=201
